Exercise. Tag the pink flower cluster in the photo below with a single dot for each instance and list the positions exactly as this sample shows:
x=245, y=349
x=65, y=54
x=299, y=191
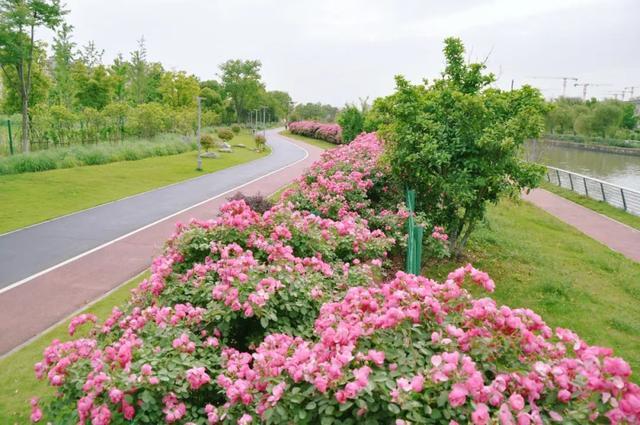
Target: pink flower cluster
x=331, y=133
x=586, y=383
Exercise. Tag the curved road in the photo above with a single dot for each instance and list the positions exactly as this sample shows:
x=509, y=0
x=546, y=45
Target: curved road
x=51, y=270
x=31, y=250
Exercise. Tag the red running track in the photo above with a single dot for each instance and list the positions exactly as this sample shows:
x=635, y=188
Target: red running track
x=617, y=236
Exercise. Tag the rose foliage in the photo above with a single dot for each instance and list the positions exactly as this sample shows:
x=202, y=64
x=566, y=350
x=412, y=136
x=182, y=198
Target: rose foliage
x=295, y=316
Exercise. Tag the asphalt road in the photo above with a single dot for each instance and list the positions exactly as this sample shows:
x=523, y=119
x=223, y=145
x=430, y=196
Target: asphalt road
x=34, y=249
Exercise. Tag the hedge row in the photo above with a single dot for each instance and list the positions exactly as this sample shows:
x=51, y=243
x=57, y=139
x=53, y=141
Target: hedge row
x=331, y=133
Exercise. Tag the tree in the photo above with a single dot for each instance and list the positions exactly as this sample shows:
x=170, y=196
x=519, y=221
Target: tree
x=118, y=72
x=211, y=94
x=93, y=86
x=629, y=117
x=458, y=142
x=90, y=55
x=241, y=81
x=12, y=101
x=315, y=112
x=279, y=104
x=178, y=89
x=352, y=122
x=138, y=73
x=607, y=117
x=378, y=115
x=560, y=118
x=19, y=20
x=63, y=91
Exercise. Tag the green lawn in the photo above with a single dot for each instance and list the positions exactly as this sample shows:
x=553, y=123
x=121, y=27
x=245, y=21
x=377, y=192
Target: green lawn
x=568, y=278
x=34, y=197
x=598, y=206
x=319, y=143
x=18, y=380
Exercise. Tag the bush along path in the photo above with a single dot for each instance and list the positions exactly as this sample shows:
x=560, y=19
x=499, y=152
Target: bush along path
x=46, y=298
x=331, y=133
x=295, y=315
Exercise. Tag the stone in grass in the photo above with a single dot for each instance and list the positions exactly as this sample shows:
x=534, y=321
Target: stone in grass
x=223, y=149
x=239, y=145
x=210, y=155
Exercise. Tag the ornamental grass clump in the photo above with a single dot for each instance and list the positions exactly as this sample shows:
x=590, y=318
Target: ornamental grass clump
x=295, y=315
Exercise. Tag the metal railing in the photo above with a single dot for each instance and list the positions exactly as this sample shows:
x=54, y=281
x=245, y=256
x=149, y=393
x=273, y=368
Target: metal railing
x=618, y=196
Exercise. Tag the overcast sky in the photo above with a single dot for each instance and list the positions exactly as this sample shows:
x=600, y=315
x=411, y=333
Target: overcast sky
x=336, y=51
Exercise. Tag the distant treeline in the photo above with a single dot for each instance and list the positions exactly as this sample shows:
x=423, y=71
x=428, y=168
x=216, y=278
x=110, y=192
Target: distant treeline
x=607, y=119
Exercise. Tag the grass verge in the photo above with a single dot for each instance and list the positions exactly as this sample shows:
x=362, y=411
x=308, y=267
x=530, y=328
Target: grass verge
x=18, y=380
x=572, y=281
x=597, y=206
x=34, y=197
x=319, y=143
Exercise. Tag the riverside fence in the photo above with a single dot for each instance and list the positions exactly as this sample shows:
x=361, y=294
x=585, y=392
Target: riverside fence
x=618, y=196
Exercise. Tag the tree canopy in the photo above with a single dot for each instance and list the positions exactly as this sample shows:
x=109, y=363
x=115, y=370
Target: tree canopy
x=458, y=142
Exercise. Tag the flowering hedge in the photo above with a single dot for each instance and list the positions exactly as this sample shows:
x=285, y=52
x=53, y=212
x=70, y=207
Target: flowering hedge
x=331, y=133
x=296, y=316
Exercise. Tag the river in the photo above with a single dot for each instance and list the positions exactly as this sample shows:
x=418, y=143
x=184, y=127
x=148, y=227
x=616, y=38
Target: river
x=622, y=170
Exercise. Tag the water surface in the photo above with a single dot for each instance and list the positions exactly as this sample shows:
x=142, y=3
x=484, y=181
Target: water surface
x=622, y=170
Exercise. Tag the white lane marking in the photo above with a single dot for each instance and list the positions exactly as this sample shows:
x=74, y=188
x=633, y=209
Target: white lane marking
x=33, y=276
x=134, y=195
x=70, y=316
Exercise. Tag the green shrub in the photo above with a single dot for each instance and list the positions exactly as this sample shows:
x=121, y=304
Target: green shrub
x=261, y=142
x=207, y=141
x=352, y=122
x=225, y=134
x=80, y=155
x=235, y=128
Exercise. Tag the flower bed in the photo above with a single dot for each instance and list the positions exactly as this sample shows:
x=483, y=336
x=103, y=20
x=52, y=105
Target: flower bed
x=296, y=315
x=331, y=133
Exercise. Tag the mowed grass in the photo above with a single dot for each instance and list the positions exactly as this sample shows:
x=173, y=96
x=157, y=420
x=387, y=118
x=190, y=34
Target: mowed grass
x=601, y=207
x=17, y=379
x=319, y=143
x=34, y=197
x=572, y=281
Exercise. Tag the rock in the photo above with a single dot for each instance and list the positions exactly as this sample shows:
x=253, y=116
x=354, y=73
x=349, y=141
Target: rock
x=210, y=155
x=239, y=145
x=227, y=150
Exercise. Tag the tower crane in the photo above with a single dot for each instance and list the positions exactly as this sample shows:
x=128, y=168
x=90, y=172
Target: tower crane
x=618, y=93
x=585, y=86
x=630, y=90
x=564, y=81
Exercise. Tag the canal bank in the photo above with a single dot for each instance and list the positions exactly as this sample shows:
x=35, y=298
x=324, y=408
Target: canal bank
x=593, y=147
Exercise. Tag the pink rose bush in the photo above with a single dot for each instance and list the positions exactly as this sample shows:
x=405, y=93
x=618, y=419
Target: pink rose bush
x=350, y=181
x=295, y=315
x=331, y=133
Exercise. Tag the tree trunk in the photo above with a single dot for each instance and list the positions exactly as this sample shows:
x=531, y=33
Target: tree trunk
x=25, y=125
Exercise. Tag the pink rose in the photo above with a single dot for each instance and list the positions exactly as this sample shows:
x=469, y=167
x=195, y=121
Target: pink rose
x=480, y=416
x=458, y=395
x=516, y=402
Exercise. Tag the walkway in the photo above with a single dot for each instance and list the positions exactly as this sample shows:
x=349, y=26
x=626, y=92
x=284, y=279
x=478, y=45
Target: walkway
x=51, y=270
x=615, y=235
